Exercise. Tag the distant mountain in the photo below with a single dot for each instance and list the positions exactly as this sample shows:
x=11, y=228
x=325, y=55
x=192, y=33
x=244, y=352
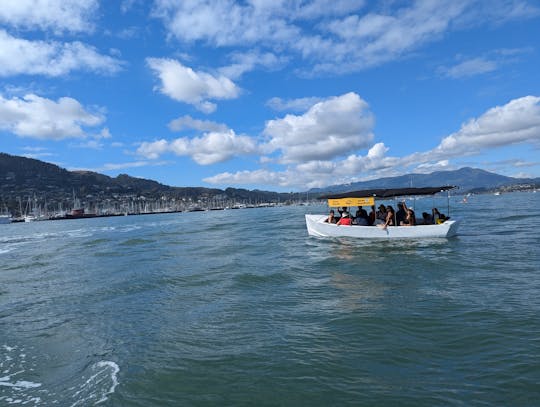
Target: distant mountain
x=467, y=179
x=26, y=182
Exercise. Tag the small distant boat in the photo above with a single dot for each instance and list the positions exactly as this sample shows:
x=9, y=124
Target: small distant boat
x=316, y=225
x=497, y=193
x=30, y=218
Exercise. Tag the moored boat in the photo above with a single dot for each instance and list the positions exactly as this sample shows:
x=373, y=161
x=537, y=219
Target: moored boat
x=317, y=225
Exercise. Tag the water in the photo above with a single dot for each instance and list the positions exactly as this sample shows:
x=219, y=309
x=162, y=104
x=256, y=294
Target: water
x=241, y=307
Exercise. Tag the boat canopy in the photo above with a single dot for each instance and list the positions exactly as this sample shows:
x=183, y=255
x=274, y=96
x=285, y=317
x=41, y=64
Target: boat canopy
x=367, y=197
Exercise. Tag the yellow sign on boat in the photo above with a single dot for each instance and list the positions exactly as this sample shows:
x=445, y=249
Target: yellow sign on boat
x=370, y=201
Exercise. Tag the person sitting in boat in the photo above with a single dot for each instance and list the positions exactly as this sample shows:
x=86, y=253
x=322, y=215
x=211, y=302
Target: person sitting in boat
x=390, y=217
x=401, y=213
x=341, y=211
x=361, y=217
x=438, y=217
x=427, y=218
x=381, y=213
x=345, y=220
x=331, y=218
x=410, y=218
x=407, y=218
x=371, y=216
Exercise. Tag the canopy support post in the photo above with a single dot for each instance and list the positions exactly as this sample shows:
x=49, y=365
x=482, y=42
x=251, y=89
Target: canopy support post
x=448, y=202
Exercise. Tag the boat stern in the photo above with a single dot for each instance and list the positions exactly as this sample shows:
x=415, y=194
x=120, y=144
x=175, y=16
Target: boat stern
x=453, y=227
x=311, y=223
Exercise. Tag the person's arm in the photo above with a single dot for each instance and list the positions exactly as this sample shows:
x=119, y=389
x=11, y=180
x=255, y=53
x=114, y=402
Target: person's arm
x=388, y=219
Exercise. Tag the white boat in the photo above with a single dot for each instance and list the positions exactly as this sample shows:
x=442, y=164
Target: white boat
x=29, y=218
x=316, y=225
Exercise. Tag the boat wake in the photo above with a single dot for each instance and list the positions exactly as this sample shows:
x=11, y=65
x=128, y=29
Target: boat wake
x=18, y=385
x=99, y=385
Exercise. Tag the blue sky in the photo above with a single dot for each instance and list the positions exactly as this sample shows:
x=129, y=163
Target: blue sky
x=278, y=95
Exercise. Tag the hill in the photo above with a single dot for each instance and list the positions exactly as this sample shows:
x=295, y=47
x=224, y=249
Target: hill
x=467, y=179
x=29, y=183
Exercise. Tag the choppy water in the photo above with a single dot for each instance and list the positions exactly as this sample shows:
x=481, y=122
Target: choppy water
x=243, y=308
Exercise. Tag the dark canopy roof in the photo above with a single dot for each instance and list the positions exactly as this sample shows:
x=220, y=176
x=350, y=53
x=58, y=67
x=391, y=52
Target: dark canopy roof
x=389, y=193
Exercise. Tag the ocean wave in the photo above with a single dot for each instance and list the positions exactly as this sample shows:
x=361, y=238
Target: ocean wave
x=101, y=383
x=17, y=364
x=14, y=387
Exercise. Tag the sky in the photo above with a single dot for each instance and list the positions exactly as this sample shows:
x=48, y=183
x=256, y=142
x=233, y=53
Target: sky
x=279, y=95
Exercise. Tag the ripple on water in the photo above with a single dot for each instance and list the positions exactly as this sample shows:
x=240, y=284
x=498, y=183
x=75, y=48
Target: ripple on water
x=252, y=280
x=94, y=385
x=244, y=308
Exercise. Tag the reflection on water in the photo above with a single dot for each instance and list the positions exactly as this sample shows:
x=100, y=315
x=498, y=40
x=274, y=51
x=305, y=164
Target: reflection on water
x=357, y=293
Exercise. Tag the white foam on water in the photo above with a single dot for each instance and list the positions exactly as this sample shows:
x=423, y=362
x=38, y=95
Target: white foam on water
x=17, y=393
x=114, y=378
x=93, y=387
x=20, y=384
x=6, y=250
x=99, y=385
x=129, y=228
x=14, y=388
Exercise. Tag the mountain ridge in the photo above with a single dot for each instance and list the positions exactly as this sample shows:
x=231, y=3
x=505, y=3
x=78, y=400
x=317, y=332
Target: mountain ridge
x=466, y=178
x=46, y=184
x=26, y=179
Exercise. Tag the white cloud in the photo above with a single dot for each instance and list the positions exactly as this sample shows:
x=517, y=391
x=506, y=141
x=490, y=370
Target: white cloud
x=183, y=84
x=295, y=105
x=133, y=164
x=211, y=148
x=426, y=168
x=54, y=15
x=491, y=61
x=312, y=174
x=376, y=38
x=40, y=118
x=91, y=144
x=328, y=129
x=20, y=56
x=344, y=37
x=225, y=22
x=104, y=133
x=121, y=166
x=153, y=150
x=471, y=67
x=245, y=62
x=257, y=177
x=37, y=152
x=516, y=122
x=523, y=175
x=187, y=122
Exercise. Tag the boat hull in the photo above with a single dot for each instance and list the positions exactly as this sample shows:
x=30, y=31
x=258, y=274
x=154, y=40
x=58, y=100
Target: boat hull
x=317, y=227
